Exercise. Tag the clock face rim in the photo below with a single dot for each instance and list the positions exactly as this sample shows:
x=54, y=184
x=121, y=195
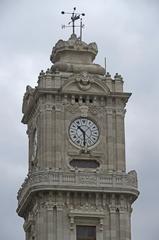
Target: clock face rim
x=84, y=146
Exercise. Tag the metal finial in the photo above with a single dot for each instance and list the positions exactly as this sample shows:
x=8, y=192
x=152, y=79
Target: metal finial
x=74, y=17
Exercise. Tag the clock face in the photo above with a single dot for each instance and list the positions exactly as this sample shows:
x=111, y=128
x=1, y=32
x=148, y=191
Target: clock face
x=83, y=132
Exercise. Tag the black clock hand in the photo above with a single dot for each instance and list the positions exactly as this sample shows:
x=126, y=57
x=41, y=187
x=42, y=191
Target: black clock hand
x=84, y=138
x=84, y=135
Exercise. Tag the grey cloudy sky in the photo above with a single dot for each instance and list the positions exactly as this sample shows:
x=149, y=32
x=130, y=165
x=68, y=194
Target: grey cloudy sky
x=127, y=33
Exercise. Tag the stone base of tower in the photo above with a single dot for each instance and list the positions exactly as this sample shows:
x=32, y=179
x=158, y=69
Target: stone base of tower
x=59, y=215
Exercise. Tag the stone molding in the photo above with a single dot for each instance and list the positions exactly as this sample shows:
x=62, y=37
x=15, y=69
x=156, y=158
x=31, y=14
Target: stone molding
x=84, y=81
x=87, y=214
x=52, y=180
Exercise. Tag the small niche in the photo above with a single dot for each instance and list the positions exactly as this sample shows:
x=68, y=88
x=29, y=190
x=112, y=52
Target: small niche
x=84, y=163
x=76, y=99
x=83, y=100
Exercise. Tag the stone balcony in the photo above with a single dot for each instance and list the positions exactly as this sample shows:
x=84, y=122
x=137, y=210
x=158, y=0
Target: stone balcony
x=78, y=181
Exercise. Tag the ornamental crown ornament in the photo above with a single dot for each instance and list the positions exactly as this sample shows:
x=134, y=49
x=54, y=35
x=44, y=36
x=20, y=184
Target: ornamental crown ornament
x=75, y=56
x=74, y=45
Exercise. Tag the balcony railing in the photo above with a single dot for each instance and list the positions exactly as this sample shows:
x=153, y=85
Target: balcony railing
x=42, y=180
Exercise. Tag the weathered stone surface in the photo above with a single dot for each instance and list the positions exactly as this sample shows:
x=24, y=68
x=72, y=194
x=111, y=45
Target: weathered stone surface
x=75, y=56
x=57, y=196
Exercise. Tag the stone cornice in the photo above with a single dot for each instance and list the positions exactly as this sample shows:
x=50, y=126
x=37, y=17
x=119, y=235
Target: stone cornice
x=123, y=95
x=29, y=107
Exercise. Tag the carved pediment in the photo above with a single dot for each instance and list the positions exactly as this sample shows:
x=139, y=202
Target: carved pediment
x=85, y=83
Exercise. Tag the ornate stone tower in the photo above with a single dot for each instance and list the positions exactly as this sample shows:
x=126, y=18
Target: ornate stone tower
x=77, y=187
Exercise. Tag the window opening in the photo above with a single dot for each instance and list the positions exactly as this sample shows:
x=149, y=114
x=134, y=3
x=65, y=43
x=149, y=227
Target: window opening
x=83, y=100
x=85, y=232
x=76, y=99
x=84, y=163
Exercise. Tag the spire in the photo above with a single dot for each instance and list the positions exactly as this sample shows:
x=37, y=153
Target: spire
x=75, y=17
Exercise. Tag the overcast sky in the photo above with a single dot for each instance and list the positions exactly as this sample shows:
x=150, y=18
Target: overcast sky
x=127, y=34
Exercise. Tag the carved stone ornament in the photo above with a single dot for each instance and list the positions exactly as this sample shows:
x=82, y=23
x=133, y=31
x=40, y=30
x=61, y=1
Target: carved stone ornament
x=73, y=44
x=84, y=81
x=132, y=178
x=95, y=110
x=87, y=179
x=84, y=110
x=72, y=108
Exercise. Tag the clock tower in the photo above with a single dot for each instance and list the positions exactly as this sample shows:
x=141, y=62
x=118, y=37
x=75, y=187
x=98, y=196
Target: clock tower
x=77, y=187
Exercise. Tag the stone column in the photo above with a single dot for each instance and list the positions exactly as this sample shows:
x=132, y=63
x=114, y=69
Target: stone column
x=59, y=133
x=59, y=209
x=48, y=133
x=123, y=225
x=113, y=223
x=128, y=234
x=112, y=211
x=120, y=140
x=72, y=229
x=117, y=224
x=110, y=140
x=41, y=224
x=50, y=222
x=53, y=138
x=51, y=216
x=41, y=134
x=99, y=229
x=60, y=223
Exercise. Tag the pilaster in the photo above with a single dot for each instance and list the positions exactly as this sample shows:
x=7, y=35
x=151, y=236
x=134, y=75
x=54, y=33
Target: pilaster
x=59, y=132
x=41, y=224
x=120, y=140
x=48, y=132
x=50, y=219
x=110, y=139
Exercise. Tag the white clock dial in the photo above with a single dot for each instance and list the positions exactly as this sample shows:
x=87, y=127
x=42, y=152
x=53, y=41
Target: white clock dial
x=83, y=132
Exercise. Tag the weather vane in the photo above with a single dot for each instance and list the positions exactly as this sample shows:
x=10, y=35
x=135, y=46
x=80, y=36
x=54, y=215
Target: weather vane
x=74, y=17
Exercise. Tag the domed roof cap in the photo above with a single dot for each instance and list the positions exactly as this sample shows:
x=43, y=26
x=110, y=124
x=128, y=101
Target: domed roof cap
x=72, y=51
